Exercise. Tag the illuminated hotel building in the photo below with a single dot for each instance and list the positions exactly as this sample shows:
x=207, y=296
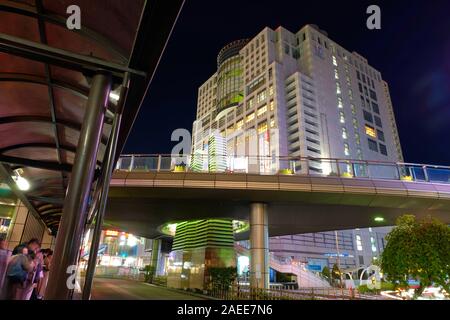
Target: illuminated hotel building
x=297, y=95
x=286, y=94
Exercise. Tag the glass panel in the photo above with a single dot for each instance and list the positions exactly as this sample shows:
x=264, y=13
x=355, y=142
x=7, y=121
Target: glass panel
x=438, y=174
x=124, y=163
x=383, y=171
x=360, y=170
x=145, y=163
x=166, y=163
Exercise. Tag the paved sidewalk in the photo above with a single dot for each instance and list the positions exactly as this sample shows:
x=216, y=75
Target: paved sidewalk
x=118, y=289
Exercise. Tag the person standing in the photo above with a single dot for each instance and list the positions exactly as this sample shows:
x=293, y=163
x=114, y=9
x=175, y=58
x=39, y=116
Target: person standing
x=18, y=270
x=48, y=255
x=5, y=254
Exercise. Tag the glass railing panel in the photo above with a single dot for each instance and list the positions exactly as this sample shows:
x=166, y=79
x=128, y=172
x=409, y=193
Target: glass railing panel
x=345, y=169
x=383, y=171
x=166, y=163
x=317, y=167
x=237, y=164
x=285, y=165
x=412, y=173
x=124, y=163
x=438, y=175
x=360, y=169
x=145, y=163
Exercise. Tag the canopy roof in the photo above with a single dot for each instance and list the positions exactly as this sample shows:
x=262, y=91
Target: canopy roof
x=45, y=74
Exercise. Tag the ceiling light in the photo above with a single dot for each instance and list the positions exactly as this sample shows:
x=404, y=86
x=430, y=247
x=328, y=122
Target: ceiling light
x=22, y=183
x=379, y=219
x=114, y=96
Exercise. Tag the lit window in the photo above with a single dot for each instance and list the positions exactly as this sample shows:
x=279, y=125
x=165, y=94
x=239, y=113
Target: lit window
x=346, y=149
x=352, y=106
x=373, y=243
x=359, y=246
x=344, y=133
x=350, y=94
x=338, y=88
x=270, y=90
x=357, y=138
x=371, y=131
x=262, y=127
x=336, y=74
x=349, y=82
x=250, y=103
x=272, y=123
x=261, y=96
x=250, y=117
x=340, y=105
x=239, y=124
x=271, y=105
x=261, y=110
x=341, y=117
x=334, y=61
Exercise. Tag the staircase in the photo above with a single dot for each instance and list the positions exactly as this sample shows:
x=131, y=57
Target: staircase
x=305, y=277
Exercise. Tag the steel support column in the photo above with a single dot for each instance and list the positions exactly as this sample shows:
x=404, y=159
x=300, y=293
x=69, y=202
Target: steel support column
x=104, y=188
x=61, y=281
x=106, y=177
x=156, y=249
x=259, y=246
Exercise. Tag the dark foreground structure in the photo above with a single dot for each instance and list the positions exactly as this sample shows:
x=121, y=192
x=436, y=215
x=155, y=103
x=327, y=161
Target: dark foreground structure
x=69, y=100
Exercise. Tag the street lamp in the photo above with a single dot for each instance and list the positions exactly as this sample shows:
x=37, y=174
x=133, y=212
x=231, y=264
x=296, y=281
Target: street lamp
x=338, y=260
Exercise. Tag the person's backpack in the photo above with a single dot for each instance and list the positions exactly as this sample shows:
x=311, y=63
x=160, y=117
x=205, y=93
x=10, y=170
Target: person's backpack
x=16, y=273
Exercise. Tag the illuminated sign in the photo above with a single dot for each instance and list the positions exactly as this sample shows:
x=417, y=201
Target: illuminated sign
x=340, y=255
x=111, y=233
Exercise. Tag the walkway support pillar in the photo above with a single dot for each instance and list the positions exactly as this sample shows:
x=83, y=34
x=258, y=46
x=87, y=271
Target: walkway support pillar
x=259, y=246
x=156, y=249
x=65, y=260
x=108, y=167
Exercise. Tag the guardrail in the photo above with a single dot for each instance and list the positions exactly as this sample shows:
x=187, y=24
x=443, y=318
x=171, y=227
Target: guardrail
x=127, y=273
x=237, y=292
x=344, y=168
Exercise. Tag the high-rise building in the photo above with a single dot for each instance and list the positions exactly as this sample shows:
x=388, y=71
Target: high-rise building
x=297, y=94
x=284, y=94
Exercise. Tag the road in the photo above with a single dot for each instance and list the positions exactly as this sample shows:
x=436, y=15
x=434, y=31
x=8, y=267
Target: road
x=118, y=289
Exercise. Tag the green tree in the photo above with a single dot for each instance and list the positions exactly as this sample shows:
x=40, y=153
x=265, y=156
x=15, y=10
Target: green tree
x=222, y=277
x=149, y=272
x=418, y=250
x=335, y=272
x=326, y=273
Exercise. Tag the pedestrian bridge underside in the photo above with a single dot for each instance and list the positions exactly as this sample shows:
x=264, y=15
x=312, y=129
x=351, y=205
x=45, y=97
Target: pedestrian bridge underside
x=140, y=202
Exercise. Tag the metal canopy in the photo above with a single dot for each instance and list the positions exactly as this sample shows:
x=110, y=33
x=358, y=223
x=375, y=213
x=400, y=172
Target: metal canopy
x=45, y=78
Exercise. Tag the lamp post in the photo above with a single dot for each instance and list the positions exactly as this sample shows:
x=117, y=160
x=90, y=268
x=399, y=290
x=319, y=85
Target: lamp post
x=339, y=261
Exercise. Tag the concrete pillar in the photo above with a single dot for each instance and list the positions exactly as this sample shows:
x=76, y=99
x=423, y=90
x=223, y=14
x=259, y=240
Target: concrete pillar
x=156, y=249
x=259, y=246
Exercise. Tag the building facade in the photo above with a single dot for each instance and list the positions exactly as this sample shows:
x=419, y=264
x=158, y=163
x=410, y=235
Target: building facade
x=284, y=95
x=356, y=248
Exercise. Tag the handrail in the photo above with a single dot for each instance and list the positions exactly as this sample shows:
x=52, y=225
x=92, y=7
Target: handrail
x=298, y=158
x=287, y=165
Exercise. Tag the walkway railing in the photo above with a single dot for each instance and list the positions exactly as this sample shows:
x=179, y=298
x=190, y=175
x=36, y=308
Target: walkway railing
x=236, y=292
x=344, y=168
x=128, y=273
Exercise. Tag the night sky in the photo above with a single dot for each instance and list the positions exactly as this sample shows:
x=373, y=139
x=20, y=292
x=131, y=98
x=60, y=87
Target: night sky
x=412, y=52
